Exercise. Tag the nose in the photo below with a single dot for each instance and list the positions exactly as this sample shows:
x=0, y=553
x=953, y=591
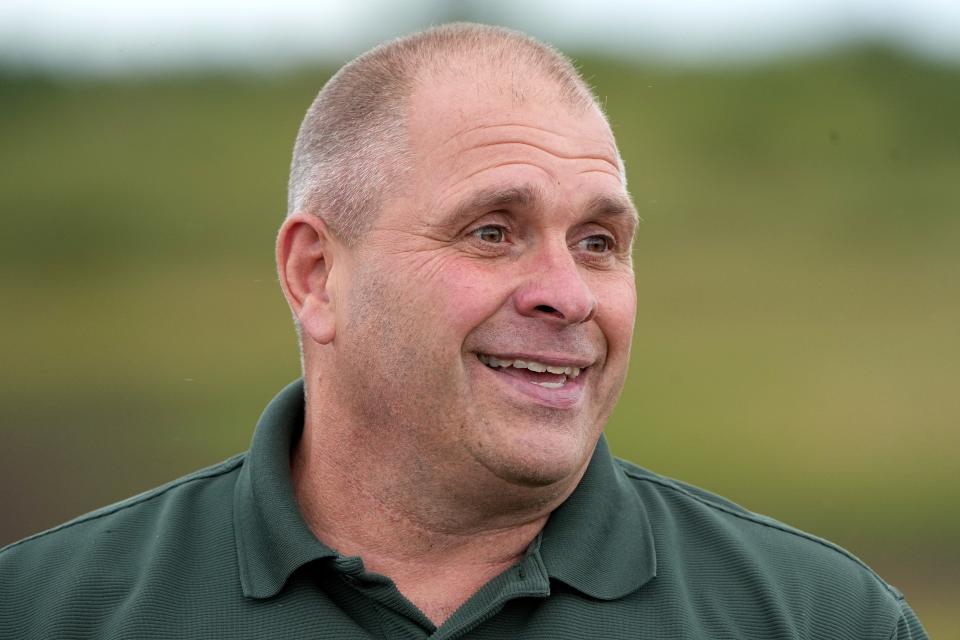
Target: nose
x=554, y=288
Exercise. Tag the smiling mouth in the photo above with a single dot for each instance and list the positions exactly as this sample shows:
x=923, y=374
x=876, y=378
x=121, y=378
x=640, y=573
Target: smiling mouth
x=538, y=373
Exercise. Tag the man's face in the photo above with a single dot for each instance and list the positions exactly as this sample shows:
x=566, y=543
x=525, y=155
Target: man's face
x=486, y=317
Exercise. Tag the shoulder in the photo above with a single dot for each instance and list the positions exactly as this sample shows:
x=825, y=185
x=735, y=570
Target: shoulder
x=695, y=516
x=134, y=510
x=715, y=551
x=107, y=553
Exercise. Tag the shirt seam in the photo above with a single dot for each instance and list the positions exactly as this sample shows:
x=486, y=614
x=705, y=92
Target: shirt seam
x=896, y=622
x=218, y=469
x=755, y=519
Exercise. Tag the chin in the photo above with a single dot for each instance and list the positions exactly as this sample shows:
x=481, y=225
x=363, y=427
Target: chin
x=535, y=476
x=540, y=460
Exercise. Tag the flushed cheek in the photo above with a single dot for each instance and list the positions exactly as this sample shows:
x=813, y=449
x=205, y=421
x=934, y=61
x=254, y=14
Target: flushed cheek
x=467, y=296
x=616, y=316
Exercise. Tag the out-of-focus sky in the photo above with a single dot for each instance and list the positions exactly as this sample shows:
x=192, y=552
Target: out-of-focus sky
x=116, y=35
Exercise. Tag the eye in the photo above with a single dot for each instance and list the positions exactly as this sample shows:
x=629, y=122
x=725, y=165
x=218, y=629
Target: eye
x=490, y=233
x=596, y=244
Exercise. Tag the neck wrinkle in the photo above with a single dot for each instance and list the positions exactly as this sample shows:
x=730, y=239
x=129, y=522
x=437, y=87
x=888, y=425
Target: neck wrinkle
x=375, y=521
x=393, y=504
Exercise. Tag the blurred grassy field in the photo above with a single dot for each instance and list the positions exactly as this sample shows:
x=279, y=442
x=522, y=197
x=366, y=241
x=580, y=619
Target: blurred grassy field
x=797, y=345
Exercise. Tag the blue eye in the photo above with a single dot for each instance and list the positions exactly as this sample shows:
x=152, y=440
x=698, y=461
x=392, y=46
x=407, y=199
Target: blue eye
x=596, y=244
x=490, y=233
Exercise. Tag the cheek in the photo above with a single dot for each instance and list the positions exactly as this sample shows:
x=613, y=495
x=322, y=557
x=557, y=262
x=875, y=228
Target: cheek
x=617, y=313
x=463, y=296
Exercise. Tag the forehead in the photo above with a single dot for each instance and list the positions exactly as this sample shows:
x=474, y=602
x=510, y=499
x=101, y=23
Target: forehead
x=448, y=110
x=465, y=130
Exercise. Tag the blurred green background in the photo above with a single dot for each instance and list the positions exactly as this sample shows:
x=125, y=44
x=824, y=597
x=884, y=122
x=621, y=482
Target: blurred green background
x=798, y=265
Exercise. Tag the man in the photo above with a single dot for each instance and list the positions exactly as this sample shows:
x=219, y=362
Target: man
x=457, y=259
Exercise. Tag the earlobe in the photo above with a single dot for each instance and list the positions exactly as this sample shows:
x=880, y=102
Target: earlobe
x=317, y=319
x=305, y=257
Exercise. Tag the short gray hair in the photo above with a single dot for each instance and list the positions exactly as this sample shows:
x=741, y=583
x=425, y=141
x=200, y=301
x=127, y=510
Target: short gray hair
x=352, y=144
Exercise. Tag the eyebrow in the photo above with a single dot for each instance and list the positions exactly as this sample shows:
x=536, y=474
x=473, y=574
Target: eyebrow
x=496, y=198
x=525, y=196
x=606, y=206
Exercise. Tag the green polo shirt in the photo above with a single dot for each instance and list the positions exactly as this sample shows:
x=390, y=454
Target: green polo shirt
x=225, y=553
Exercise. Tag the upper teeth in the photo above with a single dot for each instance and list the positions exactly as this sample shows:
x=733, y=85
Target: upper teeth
x=532, y=365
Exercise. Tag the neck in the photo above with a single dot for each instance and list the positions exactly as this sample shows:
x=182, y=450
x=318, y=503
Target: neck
x=438, y=533
x=358, y=503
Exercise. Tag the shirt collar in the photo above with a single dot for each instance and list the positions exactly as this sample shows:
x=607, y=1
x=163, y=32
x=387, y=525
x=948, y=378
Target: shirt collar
x=273, y=539
x=599, y=541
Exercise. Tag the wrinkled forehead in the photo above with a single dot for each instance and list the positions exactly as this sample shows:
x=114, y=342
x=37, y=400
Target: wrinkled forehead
x=447, y=108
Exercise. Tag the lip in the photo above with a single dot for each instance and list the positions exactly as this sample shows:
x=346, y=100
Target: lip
x=568, y=397
x=552, y=360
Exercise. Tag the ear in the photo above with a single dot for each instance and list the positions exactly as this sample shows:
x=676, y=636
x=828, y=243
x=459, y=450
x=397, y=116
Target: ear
x=305, y=256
